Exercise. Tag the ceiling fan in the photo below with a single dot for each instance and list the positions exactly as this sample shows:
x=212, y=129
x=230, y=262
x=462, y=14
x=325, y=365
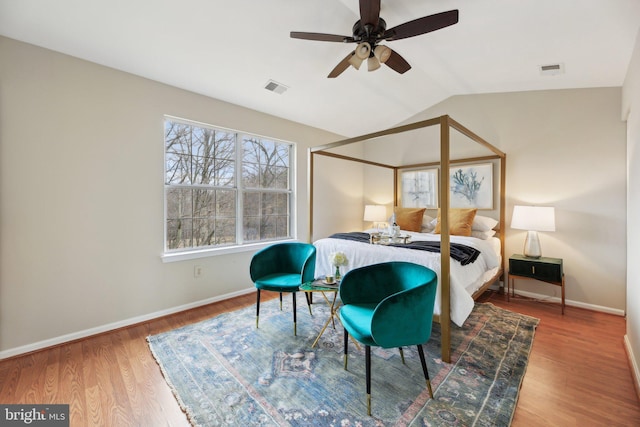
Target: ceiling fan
x=370, y=30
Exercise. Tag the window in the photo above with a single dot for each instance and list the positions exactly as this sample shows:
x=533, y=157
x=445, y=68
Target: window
x=224, y=188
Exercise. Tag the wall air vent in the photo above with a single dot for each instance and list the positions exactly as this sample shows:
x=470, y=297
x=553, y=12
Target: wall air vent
x=551, y=69
x=275, y=87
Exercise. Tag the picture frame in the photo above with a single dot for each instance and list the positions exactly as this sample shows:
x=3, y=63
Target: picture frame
x=471, y=186
x=419, y=188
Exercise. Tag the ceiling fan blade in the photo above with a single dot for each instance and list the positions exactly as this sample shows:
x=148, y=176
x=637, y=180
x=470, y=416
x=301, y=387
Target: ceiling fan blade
x=321, y=37
x=369, y=12
x=342, y=65
x=397, y=63
x=422, y=25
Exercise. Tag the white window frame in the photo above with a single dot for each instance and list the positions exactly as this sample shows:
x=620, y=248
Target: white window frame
x=171, y=255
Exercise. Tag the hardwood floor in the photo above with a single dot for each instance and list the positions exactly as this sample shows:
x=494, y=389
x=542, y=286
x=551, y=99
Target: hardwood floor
x=577, y=375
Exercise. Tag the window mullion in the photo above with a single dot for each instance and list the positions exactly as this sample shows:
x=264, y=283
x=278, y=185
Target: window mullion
x=239, y=191
x=291, y=189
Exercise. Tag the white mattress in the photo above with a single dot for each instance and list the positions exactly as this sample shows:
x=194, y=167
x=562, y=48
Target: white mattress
x=465, y=280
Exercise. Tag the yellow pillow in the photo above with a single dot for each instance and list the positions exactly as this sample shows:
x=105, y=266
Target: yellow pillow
x=460, y=221
x=409, y=219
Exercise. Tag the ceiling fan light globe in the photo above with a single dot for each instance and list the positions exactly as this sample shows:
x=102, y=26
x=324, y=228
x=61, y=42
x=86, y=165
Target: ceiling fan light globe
x=355, y=62
x=373, y=63
x=382, y=53
x=363, y=50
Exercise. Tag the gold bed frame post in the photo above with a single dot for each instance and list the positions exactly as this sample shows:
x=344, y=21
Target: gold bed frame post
x=396, y=195
x=310, y=194
x=503, y=207
x=445, y=243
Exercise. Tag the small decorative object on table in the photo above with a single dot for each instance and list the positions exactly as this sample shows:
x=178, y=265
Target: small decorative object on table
x=394, y=228
x=338, y=259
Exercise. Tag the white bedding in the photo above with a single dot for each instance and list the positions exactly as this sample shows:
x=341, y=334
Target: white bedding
x=465, y=280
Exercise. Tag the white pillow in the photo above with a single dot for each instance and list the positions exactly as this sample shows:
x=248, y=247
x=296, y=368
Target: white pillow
x=483, y=235
x=428, y=224
x=483, y=223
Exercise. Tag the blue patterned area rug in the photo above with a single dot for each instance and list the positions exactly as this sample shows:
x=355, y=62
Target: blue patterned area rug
x=225, y=372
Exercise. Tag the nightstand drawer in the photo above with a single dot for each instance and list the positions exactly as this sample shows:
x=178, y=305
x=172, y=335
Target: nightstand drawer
x=545, y=269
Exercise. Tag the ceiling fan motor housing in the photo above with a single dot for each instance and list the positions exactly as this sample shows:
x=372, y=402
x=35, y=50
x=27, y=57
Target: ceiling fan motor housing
x=368, y=33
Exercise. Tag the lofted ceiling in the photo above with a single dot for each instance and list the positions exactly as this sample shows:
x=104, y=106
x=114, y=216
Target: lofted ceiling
x=230, y=49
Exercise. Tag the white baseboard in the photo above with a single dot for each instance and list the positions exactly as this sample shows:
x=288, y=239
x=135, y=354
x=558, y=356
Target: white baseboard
x=600, y=308
x=113, y=326
x=139, y=319
x=635, y=369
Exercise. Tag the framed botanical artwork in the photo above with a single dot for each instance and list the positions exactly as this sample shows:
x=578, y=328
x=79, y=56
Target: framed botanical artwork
x=471, y=186
x=419, y=188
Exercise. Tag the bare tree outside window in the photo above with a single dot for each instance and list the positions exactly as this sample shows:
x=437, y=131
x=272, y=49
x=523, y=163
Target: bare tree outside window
x=202, y=187
x=265, y=174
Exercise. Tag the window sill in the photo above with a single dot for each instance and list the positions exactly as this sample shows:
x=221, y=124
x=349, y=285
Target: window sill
x=210, y=252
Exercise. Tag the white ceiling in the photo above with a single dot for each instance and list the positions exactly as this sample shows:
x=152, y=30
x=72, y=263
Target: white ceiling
x=230, y=49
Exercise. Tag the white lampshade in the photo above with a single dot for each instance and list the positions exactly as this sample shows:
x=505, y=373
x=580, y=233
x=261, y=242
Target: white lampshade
x=534, y=218
x=375, y=213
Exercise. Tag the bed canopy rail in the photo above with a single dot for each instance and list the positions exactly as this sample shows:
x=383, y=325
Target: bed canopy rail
x=445, y=124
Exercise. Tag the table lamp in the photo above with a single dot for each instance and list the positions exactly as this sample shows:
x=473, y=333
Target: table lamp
x=376, y=214
x=533, y=219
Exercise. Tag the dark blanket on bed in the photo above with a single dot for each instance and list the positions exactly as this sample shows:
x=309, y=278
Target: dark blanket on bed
x=463, y=253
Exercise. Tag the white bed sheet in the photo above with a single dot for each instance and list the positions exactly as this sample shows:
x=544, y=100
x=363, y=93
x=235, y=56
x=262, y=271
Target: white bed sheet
x=465, y=280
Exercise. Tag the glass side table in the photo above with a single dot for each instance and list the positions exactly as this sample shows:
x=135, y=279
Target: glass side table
x=330, y=295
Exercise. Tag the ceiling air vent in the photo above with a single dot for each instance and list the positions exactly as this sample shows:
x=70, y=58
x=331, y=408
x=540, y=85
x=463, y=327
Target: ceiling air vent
x=551, y=69
x=276, y=87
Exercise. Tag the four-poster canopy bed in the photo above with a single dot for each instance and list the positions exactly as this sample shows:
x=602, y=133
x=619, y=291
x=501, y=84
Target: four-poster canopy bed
x=444, y=163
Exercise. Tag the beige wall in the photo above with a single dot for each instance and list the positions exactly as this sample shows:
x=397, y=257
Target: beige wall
x=81, y=197
x=564, y=148
x=631, y=112
x=337, y=200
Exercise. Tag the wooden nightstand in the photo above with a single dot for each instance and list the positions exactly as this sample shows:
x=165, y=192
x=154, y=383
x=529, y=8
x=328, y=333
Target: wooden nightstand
x=544, y=269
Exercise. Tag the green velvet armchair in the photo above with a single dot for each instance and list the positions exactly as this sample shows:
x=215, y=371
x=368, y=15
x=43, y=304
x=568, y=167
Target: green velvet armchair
x=283, y=267
x=388, y=305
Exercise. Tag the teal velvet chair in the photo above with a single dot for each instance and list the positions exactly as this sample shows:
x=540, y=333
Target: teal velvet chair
x=283, y=267
x=388, y=305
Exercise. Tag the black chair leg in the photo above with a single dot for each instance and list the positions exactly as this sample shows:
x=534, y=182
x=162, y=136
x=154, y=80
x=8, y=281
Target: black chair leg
x=295, y=327
x=280, y=301
x=401, y=355
x=346, y=347
x=424, y=369
x=258, y=308
x=367, y=361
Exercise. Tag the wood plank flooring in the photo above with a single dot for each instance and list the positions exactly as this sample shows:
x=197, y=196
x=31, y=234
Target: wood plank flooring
x=577, y=375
